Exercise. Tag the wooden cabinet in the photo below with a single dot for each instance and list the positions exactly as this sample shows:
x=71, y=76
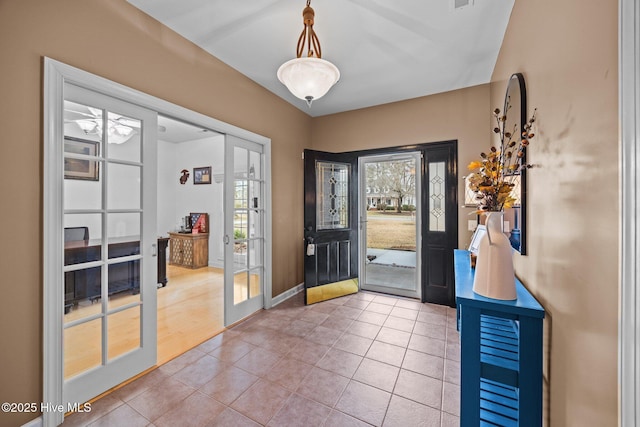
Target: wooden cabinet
x=501, y=347
x=189, y=250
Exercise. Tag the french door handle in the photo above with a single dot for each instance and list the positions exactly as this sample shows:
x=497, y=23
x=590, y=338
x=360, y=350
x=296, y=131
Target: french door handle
x=226, y=239
x=154, y=249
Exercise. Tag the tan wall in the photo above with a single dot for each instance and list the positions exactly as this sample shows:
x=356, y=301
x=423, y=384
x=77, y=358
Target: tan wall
x=116, y=41
x=460, y=114
x=568, y=53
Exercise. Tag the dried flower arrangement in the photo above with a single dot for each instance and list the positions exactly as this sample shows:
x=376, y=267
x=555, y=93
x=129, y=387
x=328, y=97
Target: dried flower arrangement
x=493, y=176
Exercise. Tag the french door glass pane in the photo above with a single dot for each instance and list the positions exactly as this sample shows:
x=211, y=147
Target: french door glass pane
x=82, y=187
x=123, y=186
x=255, y=253
x=82, y=293
x=124, y=283
x=255, y=166
x=124, y=234
x=82, y=347
x=240, y=287
x=255, y=224
x=255, y=281
x=124, y=138
x=123, y=332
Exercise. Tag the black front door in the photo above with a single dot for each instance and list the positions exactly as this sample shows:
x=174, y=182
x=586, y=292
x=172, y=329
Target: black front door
x=331, y=225
x=440, y=222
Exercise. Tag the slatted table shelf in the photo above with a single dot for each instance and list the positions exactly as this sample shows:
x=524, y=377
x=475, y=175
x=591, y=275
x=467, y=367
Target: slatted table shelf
x=501, y=363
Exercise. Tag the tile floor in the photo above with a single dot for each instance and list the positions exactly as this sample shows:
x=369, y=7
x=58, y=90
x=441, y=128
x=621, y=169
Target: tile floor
x=363, y=359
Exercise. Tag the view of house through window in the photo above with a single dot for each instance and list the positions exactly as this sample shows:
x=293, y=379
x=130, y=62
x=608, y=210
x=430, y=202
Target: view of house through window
x=390, y=228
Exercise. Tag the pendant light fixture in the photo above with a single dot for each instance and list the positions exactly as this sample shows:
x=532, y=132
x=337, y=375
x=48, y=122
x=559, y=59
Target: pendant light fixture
x=311, y=77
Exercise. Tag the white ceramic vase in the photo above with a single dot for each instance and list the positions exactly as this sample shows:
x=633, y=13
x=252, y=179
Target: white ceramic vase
x=494, y=277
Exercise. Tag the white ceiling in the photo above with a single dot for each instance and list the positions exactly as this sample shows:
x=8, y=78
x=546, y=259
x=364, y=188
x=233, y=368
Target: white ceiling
x=386, y=50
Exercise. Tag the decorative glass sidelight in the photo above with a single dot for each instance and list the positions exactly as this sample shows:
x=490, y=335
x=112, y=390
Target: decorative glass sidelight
x=437, y=210
x=332, y=182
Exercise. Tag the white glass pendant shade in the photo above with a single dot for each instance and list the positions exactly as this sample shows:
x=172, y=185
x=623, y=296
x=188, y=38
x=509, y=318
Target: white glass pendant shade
x=308, y=78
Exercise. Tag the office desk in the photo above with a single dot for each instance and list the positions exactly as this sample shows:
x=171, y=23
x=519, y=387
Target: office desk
x=125, y=276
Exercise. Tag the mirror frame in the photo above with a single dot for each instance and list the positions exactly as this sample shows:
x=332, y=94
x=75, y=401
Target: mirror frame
x=516, y=82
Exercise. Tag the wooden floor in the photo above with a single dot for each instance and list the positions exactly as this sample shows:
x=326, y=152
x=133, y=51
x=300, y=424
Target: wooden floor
x=190, y=311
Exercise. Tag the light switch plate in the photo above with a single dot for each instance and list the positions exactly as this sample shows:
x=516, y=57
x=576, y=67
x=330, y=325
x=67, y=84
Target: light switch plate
x=472, y=224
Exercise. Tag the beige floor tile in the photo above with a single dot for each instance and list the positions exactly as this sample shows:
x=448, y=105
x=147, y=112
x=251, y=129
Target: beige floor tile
x=300, y=328
x=258, y=361
x=404, y=313
x=323, y=335
x=451, y=371
x=430, y=330
x=289, y=373
x=428, y=345
x=449, y=420
x=386, y=353
x=364, y=329
x=407, y=413
x=377, y=374
x=383, y=299
x=181, y=361
x=340, y=362
x=233, y=350
x=394, y=336
x=261, y=401
x=348, y=312
x=123, y=415
x=423, y=363
x=433, y=318
x=339, y=323
x=400, y=324
x=373, y=318
x=364, y=402
x=419, y=388
x=229, y=418
x=409, y=303
x=197, y=410
x=323, y=386
x=200, y=372
x=299, y=411
x=161, y=398
x=451, y=399
x=379, y=308
x=308, y=352
x=229, y=385
x=354, y=344
x=98, y=409
x=340, y=419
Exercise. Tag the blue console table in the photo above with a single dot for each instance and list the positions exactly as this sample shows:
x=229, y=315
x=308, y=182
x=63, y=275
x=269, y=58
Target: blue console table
x=501, y=348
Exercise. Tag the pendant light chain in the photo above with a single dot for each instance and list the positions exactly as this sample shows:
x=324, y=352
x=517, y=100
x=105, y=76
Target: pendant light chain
x=309, y=35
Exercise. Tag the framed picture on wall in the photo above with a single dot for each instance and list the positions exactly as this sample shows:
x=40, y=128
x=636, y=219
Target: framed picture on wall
x=75, y=168
x=202, y=175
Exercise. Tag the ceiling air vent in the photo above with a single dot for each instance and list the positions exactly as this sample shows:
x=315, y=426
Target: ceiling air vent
x=459, y=4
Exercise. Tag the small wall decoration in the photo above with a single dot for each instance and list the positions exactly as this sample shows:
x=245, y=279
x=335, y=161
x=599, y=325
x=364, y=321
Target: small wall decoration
x=184, y=177
x=87, y=170
x=202, y=175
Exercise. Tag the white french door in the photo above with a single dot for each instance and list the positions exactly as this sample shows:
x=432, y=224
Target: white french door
x=107, y=235
x=244, y=225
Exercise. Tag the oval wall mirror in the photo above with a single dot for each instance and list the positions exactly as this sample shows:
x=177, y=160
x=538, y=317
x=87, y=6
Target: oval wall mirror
x=515, y=106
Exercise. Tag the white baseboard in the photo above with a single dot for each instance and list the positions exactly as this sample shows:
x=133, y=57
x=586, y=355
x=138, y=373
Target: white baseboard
x=287, y=294
x=34, y=423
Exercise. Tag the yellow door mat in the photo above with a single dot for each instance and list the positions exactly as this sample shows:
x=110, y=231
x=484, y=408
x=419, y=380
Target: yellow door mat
x=331, y=290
